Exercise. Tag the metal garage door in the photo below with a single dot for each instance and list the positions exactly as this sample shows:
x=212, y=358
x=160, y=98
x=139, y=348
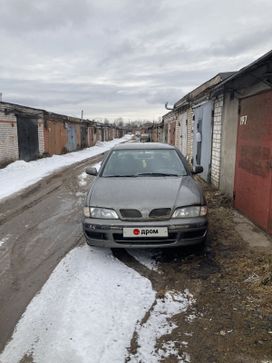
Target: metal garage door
x=253, y=176
x=83, y=136
x=183, y=125
x=72, y=139
x=28, y=141
x=203, y=118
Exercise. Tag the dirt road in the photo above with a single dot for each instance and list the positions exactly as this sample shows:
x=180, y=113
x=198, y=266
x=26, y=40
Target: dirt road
x=37, y=229
x=209, y=306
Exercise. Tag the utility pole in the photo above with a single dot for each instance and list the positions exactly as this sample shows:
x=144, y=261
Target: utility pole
x=81, y=115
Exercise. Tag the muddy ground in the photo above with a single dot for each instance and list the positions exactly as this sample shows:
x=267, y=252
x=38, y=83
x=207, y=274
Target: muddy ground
x=232, y=285
x=230, y=280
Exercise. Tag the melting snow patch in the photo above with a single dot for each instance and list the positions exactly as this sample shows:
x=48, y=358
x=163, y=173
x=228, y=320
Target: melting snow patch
x=146, y=257
x=169, y=350
x=188, y=334
x=4, y=240
x=86, y=312
x=190, y=318
x=158, y=325
x=80, y=194
x=82, y=179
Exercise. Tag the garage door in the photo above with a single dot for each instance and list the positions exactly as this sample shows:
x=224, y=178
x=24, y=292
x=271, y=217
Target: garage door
x=28, y=142
x=203, y=118
x=253, y=171
x=172, y=132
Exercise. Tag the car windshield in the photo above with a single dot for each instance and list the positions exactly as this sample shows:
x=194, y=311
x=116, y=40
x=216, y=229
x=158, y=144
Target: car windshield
x=136, y=163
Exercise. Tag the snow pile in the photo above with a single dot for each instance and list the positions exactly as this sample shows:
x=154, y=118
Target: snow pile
x=21, y=174
x=158, y=325
x=90, y=309
x=86, y=312
x=82, y=179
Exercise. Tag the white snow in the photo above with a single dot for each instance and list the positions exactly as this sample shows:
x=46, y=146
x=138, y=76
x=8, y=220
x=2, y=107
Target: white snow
x=158, y=325
x=146, y=257
x=87, y=312
x=20, y=174
x=4, y=240
x=82, y=179
x=169, y=350
x=190, y=318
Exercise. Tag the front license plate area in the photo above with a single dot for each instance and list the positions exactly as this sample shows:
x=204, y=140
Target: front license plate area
x=150, y=232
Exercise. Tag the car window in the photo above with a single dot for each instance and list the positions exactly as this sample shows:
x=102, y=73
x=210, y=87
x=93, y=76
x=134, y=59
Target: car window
x=144, y=162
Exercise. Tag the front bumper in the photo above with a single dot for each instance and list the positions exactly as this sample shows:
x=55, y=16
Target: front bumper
x=109, y=233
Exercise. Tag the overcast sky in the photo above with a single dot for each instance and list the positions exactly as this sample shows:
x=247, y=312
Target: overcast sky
x=123, y=58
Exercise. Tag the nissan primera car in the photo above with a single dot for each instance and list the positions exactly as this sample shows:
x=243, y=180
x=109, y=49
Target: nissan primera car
x=144, y=195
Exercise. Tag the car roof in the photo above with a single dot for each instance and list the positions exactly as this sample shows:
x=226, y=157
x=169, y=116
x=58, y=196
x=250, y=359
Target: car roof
x=143, y=146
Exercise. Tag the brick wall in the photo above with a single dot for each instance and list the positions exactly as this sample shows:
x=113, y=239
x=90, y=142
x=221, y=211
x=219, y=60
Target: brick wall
x=41, y=136
x=8, y=139
x=172, y=132
x=178, y=133
x=170, y=127
x=216, y=144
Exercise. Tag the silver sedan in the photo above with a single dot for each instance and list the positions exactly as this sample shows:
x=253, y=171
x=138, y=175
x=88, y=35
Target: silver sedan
x=144, y=195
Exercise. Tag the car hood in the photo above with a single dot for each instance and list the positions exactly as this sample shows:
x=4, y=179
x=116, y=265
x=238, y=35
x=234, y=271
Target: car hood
x=145, y=192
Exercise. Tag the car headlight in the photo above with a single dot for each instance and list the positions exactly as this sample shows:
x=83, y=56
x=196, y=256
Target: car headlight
x=100, y=213
x=189, y=212
x=86, y=212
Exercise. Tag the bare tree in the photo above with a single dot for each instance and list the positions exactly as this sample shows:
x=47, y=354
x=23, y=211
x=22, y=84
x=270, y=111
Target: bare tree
x=119, y=121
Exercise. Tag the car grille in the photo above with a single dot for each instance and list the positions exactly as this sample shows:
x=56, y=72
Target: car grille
x=172, y=237
x=118, y=238
x=159, y=213
x=130, y=213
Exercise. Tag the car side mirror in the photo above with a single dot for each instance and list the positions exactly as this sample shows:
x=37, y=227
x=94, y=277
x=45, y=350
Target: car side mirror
x=197, y=169
x=90, y=170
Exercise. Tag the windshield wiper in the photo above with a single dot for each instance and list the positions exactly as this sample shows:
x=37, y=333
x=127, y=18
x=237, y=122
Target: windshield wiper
x=158, y=174
x=119, y=176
